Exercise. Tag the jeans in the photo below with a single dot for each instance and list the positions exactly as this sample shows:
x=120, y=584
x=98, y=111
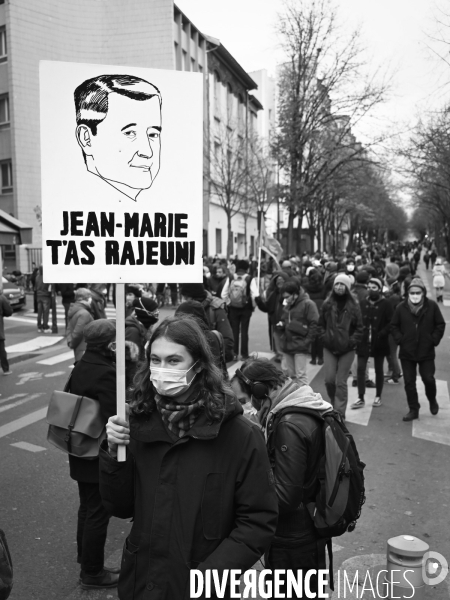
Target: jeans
x=276, y=334
x=337, y=368
x=3, y=357
x=393, y=363
x=426, y=370
x=92, y=527
x=379, y=374
x=240, y=322
x=66, y=312
x=317, y=348
x=294, y=365
x=43, y=311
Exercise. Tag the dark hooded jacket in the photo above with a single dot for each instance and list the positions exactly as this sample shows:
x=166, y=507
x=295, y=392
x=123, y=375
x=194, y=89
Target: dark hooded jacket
x=418, y=335
x=300, y=325
x=376, y=317
x=79, y=316
x=218, y=319
x=206, y=501
x=340, y=330
x=273, y=305
x=98, y=300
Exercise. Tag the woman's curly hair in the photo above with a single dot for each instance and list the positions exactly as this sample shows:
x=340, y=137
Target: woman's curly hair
x=183, y=330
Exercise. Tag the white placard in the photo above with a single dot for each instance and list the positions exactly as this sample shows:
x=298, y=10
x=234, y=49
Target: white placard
x=122, y=188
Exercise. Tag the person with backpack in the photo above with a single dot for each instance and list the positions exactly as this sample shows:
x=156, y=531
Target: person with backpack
x=215, y=309
x=236, y=293
x=296, y=423
x=5, y=311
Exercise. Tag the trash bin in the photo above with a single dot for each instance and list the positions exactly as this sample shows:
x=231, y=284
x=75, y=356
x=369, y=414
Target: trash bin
x=404, y=567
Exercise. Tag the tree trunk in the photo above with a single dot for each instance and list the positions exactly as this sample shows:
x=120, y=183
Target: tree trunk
x=290, y=233
x=229, y=237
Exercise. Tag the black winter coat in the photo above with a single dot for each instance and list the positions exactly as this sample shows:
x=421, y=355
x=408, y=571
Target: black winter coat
x=294, y=472
x=93, y=376
x=376, y=318
x=206, y=501
x=341, y=331
x=5, y=311
x=418, y=335
x=299, y=325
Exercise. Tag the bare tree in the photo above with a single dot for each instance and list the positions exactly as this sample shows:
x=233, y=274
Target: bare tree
x=226, y=172
x=323, y=94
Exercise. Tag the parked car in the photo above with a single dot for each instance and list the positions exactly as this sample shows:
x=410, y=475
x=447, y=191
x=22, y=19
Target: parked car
x=14, y=294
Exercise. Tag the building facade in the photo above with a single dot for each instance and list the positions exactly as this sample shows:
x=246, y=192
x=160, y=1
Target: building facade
x=144, y=33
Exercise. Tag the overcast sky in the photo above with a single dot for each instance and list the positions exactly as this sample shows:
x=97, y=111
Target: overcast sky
x=396, y=32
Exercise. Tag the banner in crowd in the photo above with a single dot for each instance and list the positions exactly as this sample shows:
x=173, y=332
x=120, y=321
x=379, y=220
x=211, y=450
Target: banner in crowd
x=122, y=179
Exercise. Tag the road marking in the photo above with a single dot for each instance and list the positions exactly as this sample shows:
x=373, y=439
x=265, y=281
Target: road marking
x=25, y=377
x=54, y=360
x=19, y=402
x=28, y=321
x=55, y=374
x=13, y=397
x=446, y=302
x=433, y=428
x=29, y=447
x=33, y=417
x=35, y=344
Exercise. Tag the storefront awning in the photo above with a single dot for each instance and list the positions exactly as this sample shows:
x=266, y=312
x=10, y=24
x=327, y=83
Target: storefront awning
x=13, y=231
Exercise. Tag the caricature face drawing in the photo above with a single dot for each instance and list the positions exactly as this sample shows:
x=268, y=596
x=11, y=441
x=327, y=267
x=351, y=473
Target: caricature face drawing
x=119, y=131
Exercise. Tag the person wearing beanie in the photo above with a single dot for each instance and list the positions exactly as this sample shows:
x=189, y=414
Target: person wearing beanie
x=340, y=327
x=376, y=314
x=98, y=291
x=417, y=327
x=215, y=309
x=439, y=275
x=80, y=314
x=94, y=376
x=273, y=306
x=146, y=311
x=194, y=309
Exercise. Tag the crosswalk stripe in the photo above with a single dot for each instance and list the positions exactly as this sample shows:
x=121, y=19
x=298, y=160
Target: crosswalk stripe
x=29, y=447
x=433, y=428
x=19, y=402
x=35, y=344
x=54, y=360
x=23, y=422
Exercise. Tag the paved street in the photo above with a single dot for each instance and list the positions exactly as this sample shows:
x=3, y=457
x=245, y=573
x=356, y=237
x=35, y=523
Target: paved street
x=408, y=479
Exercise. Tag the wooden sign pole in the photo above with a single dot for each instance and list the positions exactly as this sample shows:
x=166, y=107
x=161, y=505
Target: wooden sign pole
x=120, y=360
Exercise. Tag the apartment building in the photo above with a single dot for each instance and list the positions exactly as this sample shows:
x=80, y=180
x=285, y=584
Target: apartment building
x=146, y=33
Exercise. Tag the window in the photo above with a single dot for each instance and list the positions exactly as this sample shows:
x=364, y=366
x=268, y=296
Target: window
x=6, y=172
x=4, y=109
x=252, y=244
x=193, y=69
x=177, y=57
x=3, y=48
x=218, y=241
x=229, y=103
x=185, y=61
x=240, y=112
x=9, y=252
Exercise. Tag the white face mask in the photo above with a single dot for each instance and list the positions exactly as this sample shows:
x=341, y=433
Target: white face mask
x=350, y=268
x=170, y=382
x=415, y=299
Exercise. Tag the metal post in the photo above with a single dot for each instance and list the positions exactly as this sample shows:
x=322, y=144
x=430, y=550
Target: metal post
x=54, y=312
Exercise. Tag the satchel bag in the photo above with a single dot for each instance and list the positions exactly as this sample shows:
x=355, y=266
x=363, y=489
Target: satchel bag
x=76, y=425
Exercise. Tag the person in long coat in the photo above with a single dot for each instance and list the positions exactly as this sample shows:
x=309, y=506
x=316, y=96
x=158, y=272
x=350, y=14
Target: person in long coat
x=376, y=313
x=197, y=479
x=94, y=376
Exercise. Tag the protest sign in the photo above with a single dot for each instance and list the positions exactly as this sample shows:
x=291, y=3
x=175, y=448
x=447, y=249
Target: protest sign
x=122, y=179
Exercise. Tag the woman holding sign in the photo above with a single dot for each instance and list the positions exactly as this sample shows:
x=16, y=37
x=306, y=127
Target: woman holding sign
x=197, y=479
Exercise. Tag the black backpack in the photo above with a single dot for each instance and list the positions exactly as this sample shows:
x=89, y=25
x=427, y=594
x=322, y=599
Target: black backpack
x=6, y=569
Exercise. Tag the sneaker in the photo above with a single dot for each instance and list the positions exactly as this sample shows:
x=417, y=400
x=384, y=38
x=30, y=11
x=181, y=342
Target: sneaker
x=413, y=414
x=320, y=361
x=7, y=372
x=312, y=361
x=358, y=404
x=40, y=330
x=377, y=401
x=354, y=383
x=392, y=380
x=48, y=330
x=370, y=384
x=104, y=579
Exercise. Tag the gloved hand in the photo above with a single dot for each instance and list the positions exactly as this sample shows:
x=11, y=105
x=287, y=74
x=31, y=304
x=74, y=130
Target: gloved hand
x=254, y=289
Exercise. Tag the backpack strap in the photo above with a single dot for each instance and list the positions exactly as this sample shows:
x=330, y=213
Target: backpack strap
x=323, y=543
